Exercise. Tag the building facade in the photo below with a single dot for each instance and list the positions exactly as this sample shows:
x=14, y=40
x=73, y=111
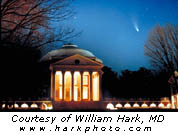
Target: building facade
x=75, y=75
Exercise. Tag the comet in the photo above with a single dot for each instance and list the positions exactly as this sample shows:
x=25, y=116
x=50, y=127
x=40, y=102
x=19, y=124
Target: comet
x=135, y=24
x=136, y=27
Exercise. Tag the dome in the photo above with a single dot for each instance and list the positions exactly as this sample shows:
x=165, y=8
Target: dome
x=66, y=51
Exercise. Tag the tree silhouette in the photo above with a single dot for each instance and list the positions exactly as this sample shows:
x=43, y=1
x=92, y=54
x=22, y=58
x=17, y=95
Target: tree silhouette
x=109, y=82
x=25, y=29
x=162, y=47
x=28, y=21
x=142, y=83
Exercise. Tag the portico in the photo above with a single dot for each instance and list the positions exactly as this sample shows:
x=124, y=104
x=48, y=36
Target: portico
x=76, y=78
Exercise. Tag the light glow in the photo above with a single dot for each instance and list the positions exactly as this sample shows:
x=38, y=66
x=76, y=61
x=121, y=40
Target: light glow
x=67, y=86
x=58, y=85
x=177, y=100
x=24, y=105
x=47, y=106
x=44, y=106
x=85, y=93
x=95, y=78
x=50, y=107
x=152, y=105
x=16, y=106
x=110, y=106
x=86, y=85
x=3, y=105
x=77, y=86
x=144, y=105
x=34, y=105
x=127, y=105
x=173, y=102
x=168, y=105
x=10, y=106
x=119, y=105
x=136, y=105
x=161, y=105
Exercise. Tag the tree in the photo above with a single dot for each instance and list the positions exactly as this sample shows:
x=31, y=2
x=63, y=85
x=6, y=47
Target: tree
x=144, y=83
x=109, y=82
x=27, y=22
x=25, y=29
x=136, y=83
x=162, y=47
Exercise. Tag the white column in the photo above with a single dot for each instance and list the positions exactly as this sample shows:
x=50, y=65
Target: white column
x=91, y=88
x=63, y=85
x=100, y=92
x=53, y=85
x=72, y=72
x=81, y=74
x=51, y=94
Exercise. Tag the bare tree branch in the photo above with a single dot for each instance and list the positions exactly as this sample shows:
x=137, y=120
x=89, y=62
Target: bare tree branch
x=29, y=21
x=162, y=47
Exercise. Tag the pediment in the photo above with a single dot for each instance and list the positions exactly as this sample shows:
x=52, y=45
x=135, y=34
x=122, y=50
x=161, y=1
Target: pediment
x=77, y=60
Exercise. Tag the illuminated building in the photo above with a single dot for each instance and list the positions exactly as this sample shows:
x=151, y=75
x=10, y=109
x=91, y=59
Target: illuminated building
x=174, y=100
x=75, y=75
x=76, y=84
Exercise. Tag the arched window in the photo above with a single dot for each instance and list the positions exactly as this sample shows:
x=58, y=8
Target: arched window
x=95, y=86
x=86, y=86
x=67, y=86
x=77, y=86
x=58, y=85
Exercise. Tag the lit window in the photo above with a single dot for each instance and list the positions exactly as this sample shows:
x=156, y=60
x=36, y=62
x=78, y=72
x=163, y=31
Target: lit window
x=77, y=86
x=67, y=86
x=95, y=82
x=58, y=85
x=86, y=85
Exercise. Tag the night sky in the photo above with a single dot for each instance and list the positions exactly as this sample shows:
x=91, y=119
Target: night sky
x=116, y=30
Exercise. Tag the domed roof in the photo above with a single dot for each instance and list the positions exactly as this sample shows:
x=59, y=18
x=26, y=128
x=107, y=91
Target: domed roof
x=66, y=51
